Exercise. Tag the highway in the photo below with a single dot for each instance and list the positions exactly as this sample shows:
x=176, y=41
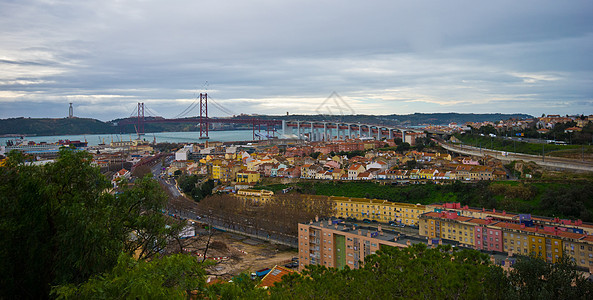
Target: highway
x=546, y=161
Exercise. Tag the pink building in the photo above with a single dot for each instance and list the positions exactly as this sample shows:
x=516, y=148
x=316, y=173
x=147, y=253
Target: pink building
x=487, y=237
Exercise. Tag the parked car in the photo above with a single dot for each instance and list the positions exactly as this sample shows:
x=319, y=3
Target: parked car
x=366, y=221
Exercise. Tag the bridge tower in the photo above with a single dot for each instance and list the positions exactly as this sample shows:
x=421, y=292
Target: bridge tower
x=140, y=129
x=204, y=116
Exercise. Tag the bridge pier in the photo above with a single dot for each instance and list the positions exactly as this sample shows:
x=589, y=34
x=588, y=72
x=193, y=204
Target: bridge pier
x=349, y=131
x=284, y=128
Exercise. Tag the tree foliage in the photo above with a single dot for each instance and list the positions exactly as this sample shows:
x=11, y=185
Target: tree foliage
x=534, y=278
x=281, y=214
x=190, y=185
x=61, y=226
x=392, y=273
x=169, y=277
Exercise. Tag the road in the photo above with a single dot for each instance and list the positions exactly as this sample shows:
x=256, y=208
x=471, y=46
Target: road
x=547, y=161
x=157, y=171
x=212, y=218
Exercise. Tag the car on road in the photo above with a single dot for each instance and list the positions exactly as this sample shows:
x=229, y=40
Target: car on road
x=366, y=221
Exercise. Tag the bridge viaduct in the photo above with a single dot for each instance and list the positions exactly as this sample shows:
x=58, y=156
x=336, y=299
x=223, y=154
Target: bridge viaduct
x=326, y=131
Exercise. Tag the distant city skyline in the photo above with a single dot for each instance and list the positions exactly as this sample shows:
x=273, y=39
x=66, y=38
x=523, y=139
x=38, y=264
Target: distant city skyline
x=270, y=57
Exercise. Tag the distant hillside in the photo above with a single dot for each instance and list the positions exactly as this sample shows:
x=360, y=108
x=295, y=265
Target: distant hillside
x=411, y=119
x=30, y=126
x=446, y=118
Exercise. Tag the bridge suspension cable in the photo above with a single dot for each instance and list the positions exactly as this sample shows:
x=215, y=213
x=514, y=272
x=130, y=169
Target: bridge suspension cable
x=221, y=108
x=188, y=109
x=134, y=111
x=151, y=112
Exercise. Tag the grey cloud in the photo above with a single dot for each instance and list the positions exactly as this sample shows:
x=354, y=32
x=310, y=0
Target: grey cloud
x=454, y=55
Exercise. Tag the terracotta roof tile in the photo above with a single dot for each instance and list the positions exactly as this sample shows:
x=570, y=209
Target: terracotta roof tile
x=275, y=275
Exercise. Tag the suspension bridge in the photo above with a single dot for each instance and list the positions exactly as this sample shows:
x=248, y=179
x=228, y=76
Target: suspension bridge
x=203, y=121
x=305, y=130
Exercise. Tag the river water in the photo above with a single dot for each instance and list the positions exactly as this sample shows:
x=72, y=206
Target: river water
x=161, y=137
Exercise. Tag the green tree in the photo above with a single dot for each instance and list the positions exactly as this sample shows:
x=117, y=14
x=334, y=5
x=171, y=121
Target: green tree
x=138, y=214
x=392, y=273
x=55, y=224
x=170, y=277
x=241, y=287
x=403, y=147
x=534, y=278
x=61, y=226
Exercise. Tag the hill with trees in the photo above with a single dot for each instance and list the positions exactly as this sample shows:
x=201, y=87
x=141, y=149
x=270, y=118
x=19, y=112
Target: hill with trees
x=404, y=120
x=46, y=126
x=67, y=126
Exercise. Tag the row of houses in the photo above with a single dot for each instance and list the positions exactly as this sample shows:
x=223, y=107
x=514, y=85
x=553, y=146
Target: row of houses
x=334, y=243
x=232, y=164
x=512, y=237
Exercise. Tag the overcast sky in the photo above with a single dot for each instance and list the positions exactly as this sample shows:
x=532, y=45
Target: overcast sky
x=273, y=57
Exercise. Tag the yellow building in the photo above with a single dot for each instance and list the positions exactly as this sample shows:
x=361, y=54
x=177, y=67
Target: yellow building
x=225, y=171
x=255, y=196
x=449, y=226
x=580, y=248
x=216, y=171
x=247, y=177
x=378, y=210
x=427, y=174
x=545, y=246
x=515, y=238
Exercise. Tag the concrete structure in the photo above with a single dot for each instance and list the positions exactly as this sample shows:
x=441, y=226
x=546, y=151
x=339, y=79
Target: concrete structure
x=325, y=131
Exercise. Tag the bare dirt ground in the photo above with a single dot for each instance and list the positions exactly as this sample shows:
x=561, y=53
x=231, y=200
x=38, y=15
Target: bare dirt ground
x=235, y=254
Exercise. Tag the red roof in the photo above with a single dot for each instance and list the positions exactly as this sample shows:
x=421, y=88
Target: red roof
x=275, y=275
